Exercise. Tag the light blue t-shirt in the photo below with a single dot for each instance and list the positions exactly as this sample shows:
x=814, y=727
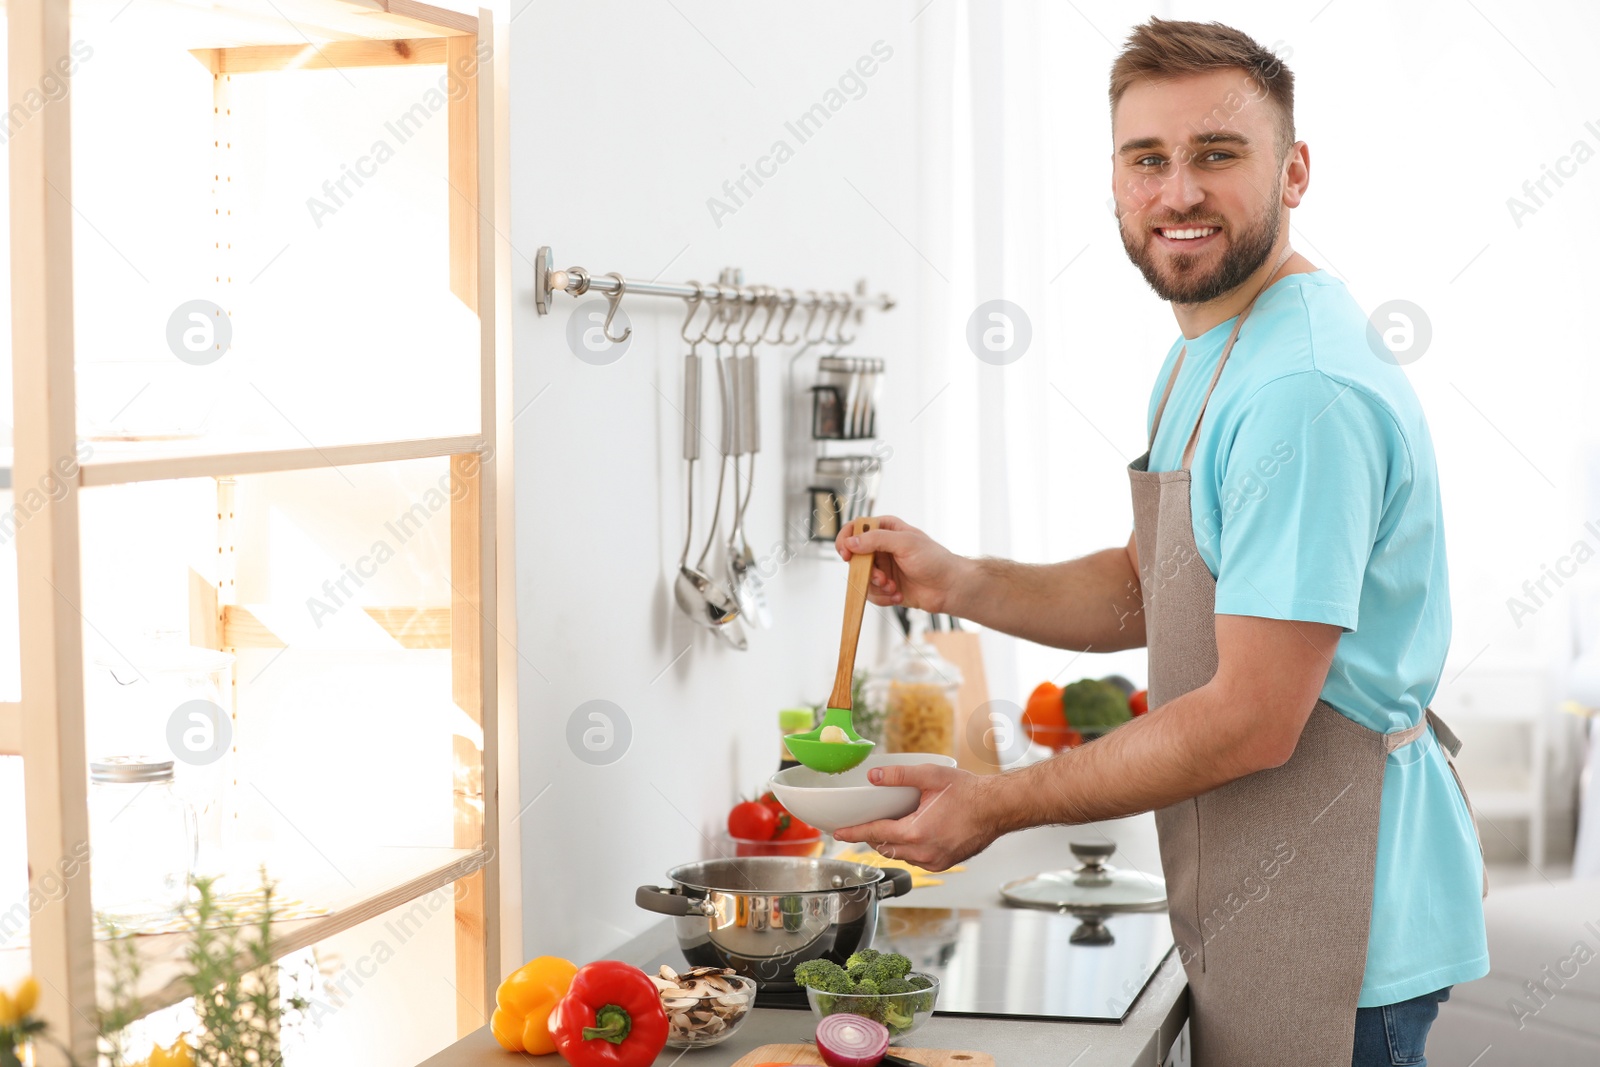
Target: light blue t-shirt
x=1316, y=498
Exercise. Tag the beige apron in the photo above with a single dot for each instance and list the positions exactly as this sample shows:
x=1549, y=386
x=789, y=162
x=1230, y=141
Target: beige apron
x=1269, y=878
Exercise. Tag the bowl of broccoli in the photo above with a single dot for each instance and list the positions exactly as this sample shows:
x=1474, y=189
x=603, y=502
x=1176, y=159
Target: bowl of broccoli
x=878, y=985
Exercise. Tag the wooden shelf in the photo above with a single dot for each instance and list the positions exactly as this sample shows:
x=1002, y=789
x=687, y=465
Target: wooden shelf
x=385, y=879
x=116, y=463
x=244, y=626
x=307, y=23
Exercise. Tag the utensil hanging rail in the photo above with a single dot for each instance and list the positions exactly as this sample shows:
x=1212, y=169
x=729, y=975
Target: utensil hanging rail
x=576, y=281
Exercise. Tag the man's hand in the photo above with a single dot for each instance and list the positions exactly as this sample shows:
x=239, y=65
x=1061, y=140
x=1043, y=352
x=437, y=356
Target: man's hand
x=950, y=824
x=911, y=568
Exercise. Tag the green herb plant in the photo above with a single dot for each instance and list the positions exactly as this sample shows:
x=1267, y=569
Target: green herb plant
x=230, y=972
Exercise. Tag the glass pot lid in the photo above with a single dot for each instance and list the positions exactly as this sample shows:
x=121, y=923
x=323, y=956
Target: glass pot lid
x=1094, y=886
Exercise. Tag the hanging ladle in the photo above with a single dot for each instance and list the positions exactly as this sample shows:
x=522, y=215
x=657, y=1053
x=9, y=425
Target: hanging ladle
x=834, y=757
x=700, y=598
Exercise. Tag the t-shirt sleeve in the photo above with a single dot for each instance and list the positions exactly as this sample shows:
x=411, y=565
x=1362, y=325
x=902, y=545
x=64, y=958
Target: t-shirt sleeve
x=1303, y=484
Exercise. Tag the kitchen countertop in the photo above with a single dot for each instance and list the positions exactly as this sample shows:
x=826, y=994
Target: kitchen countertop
x=1142, y=1038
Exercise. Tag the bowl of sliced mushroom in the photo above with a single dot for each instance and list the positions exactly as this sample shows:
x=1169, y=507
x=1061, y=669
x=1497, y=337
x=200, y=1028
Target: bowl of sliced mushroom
x=705, y=1005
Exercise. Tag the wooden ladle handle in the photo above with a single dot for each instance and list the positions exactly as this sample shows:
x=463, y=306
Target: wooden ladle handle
x=855, y=605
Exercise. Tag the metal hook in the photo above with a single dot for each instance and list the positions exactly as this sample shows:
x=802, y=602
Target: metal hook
x=840, y=340
x=694, y=303
x=614, y=300
x=755, y=306
x=829, y=305
x=815, y=305
x=767, y=297
x=788, y=303
x=727, y=323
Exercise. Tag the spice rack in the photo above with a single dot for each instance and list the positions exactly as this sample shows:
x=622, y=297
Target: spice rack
x=833, y=458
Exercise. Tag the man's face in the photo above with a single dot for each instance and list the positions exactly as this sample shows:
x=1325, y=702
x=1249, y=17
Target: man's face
x=1198, y=182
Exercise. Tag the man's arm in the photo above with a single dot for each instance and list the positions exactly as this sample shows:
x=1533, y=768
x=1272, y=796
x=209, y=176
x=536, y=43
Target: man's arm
x=1091, y=602
x=1247, y=718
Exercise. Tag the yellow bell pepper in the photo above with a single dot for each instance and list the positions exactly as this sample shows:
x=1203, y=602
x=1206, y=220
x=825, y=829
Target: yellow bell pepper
x=176, y=1054
x=17, y=1006
x=524, y=1001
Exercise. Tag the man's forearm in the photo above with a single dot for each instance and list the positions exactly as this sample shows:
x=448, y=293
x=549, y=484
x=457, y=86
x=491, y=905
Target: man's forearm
x=1088, y=603
x=1185, y=748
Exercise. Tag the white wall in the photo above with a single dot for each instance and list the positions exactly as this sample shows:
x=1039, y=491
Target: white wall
x=625, y=119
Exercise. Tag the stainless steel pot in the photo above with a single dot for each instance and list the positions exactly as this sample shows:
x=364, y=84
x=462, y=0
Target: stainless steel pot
x=764, y=916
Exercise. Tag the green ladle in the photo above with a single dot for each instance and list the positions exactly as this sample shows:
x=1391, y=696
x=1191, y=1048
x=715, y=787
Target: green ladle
x=834, y=757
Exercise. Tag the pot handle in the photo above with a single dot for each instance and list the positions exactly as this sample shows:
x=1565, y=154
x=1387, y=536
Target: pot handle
x=897, y=884
x=671, y=902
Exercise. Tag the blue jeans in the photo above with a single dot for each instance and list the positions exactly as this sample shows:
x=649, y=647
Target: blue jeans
x=1395, y=1035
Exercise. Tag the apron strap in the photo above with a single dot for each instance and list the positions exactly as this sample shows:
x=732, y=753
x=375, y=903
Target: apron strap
x=1446, y=737
x=1402, y=738
x=1172, y=378
x=1161, y=407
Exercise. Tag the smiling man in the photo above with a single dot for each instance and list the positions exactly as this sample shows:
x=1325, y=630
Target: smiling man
x=1287, y=574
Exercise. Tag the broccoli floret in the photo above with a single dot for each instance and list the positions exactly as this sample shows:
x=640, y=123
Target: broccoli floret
x=888, y=965
x=858, y=963
x=897, y=1015
x=824, y=976
x=866, y=988
x=1094, y=705
x=894, y=985
x=921, y=981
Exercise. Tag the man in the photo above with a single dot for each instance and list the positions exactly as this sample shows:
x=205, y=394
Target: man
x=1287, y=572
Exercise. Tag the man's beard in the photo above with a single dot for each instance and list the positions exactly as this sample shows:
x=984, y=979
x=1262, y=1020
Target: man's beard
x=1245, y=253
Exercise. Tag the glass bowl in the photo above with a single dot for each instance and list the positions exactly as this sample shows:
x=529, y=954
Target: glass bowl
x=815, y=845
x=902, y=1013
x=702, y=1021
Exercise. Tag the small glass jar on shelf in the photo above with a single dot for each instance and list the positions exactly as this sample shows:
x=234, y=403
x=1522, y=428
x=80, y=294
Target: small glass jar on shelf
x=144, y=839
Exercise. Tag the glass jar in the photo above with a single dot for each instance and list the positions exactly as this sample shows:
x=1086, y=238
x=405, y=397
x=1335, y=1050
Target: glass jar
x=143, y=837
x=917, y=692
x=160, y=694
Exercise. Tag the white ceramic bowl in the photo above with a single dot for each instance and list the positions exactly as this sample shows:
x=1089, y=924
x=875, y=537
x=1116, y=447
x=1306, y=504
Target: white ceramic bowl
x=829, y=801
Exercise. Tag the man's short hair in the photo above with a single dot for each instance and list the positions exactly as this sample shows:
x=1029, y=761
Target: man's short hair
x=1162, y=49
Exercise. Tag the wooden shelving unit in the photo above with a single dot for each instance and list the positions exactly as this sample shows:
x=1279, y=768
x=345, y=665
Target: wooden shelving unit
x=279, y=39
x=111, y=467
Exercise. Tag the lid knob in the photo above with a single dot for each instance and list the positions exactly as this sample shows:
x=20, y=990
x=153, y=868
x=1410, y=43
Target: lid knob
x=1094, y=854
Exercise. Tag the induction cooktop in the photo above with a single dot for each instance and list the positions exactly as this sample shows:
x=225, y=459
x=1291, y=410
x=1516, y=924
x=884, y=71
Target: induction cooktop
x=1029, y=963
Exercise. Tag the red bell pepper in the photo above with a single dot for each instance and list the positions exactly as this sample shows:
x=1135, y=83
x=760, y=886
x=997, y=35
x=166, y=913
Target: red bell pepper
x=611, y=1017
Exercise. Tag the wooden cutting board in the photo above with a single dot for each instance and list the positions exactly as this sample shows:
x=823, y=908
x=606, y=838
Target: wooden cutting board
x=975, y=748
x=807, y=1054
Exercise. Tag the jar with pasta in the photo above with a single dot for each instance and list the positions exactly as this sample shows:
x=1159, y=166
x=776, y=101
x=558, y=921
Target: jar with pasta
x=919, y=698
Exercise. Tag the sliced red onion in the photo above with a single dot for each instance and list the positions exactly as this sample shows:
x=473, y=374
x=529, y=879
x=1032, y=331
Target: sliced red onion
x=847, y=1040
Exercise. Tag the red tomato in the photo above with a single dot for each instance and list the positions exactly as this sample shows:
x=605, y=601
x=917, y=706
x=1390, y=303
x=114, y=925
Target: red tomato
x=1139, y=703
x=752, y=821
x=795, y=830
